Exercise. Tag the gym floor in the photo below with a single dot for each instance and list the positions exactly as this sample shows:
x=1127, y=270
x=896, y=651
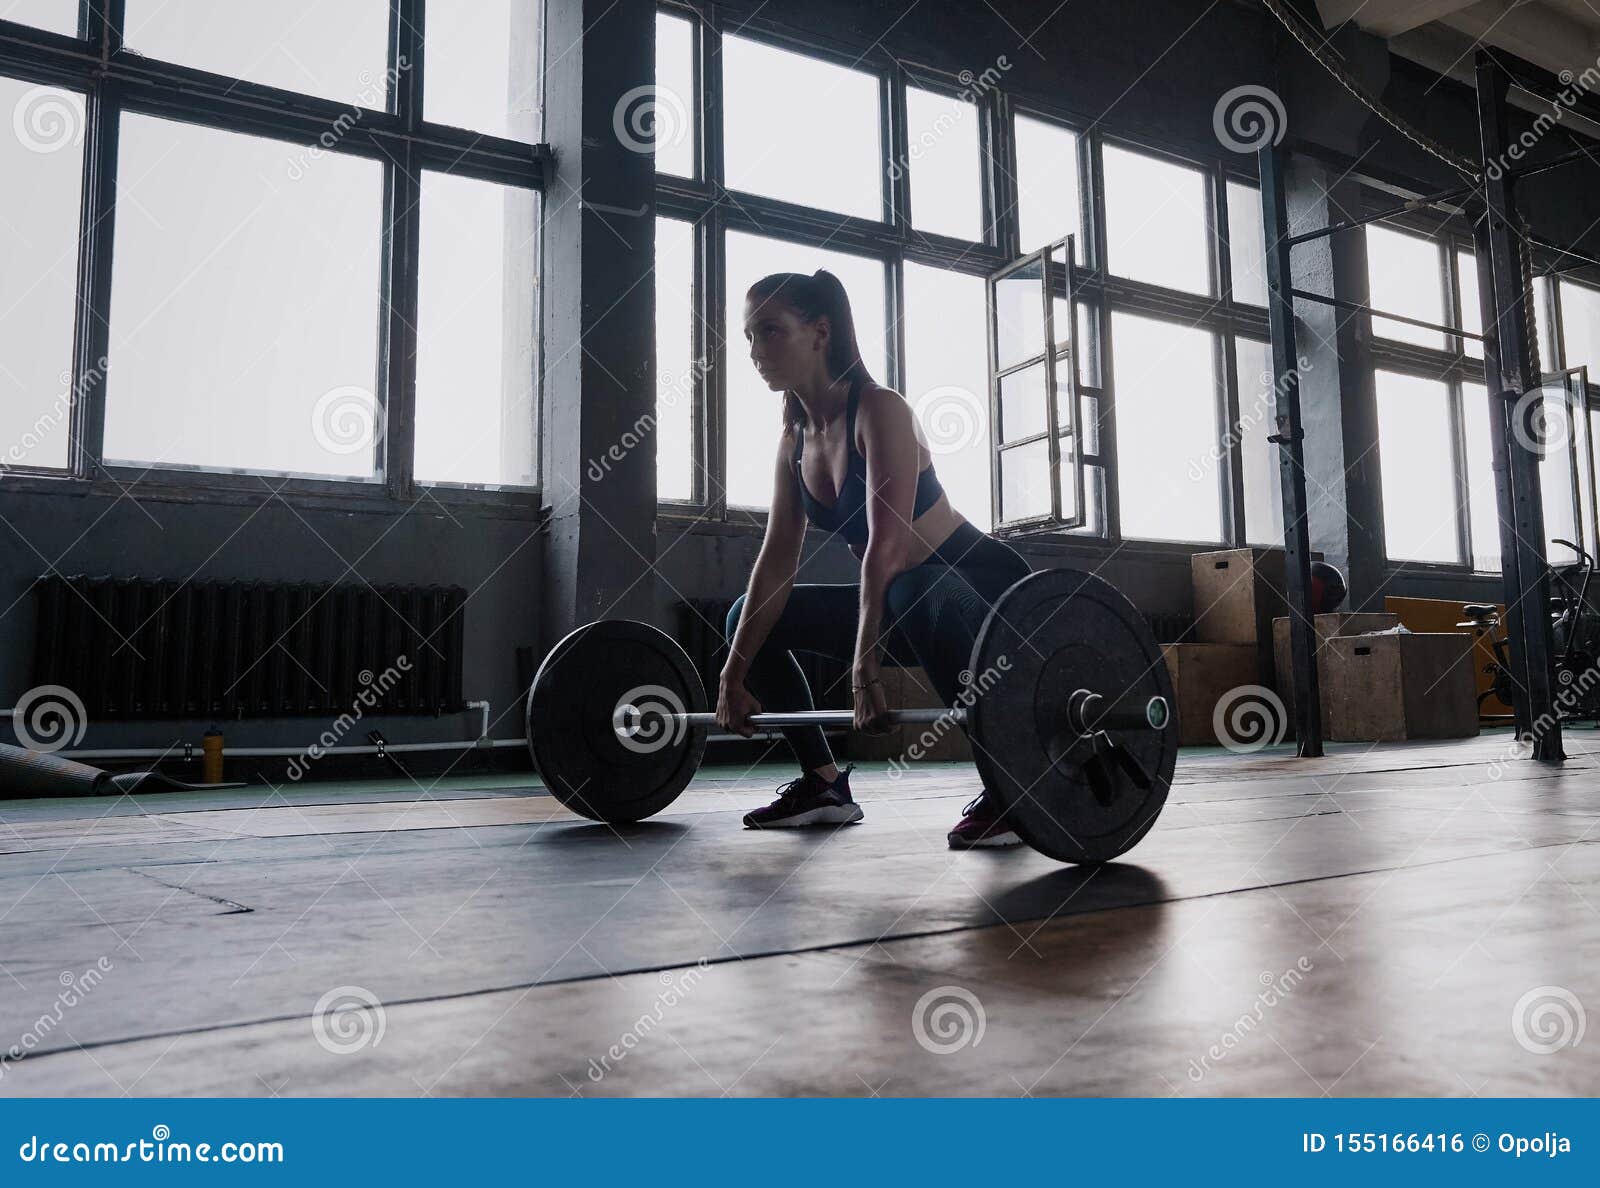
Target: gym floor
x=1384, y=921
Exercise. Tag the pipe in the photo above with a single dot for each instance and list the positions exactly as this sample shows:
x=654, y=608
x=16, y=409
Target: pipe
x=261, y=752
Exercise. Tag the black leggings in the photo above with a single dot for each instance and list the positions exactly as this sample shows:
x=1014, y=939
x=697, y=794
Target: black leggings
x=932, y=613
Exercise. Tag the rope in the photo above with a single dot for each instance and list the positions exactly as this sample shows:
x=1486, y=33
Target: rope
x=1469, y=168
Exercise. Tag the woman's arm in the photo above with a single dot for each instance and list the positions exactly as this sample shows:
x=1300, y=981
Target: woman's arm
x=890, y=444
x=775, y=567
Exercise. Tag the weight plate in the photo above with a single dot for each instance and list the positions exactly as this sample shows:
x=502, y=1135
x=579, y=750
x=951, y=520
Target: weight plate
x=1053, y=632
x=577, y=703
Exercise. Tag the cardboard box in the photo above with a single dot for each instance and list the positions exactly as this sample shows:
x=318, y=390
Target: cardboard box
x=1388, y=687
x=1326, y=627
x=910, y=688
x=1441, y=614
x=1201, y=674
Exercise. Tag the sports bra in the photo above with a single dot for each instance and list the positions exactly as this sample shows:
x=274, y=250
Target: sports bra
x=848, y=513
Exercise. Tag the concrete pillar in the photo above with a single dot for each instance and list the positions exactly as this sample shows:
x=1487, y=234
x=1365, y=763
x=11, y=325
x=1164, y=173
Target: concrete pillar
x=598, y=368
x=1338, y=397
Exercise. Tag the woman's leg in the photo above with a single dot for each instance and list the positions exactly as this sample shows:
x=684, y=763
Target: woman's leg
x=816, y=618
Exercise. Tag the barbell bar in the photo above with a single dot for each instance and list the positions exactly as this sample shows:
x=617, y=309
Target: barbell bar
x=1068, y=708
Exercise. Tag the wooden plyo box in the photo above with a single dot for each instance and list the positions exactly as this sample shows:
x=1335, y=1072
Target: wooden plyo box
x=1326, y=627
x=1237, y=594
x=1441, y=614
x=1389, y=687
x=910, y=688
x=1201, y=673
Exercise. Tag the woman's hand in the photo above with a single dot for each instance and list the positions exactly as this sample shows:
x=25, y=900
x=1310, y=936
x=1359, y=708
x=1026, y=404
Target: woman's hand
x=872, y=707
x=735, y=704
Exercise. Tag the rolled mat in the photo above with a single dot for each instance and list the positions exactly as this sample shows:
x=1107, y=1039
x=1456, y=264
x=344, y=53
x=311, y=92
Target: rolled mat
x=25, y=774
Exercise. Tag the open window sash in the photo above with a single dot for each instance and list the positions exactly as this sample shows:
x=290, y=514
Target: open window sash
x=1567, y=466
x=1036, y=477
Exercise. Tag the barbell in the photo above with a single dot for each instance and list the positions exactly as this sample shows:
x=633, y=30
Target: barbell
x=1066, y=702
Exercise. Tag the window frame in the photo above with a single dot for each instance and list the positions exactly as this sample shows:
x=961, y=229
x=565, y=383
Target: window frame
x=113, y=79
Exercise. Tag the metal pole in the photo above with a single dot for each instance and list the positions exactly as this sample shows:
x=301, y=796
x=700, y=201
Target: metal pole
x=1290, y=438
x=1529, y=588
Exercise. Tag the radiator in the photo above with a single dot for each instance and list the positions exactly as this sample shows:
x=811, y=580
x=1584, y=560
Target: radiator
x=146, y=648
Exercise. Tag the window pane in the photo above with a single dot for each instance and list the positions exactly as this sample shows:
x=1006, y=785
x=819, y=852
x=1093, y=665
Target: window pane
x=58, y=16
x=43, y=167
x=1403, y=272
x=1263, y=488
x=338, y=51
x=1482, y=508
x=1419, y=495
x=1047, y=184
x=947, y=382
x=483, y=66
x=1019, y=315
x=244, y=317
x=675, y=370
x=1156, y=221
x=475, y=333
x=1556, y=469
x=1471, y=306
x=1022, y=403
x=1247, y=245
x=672, y=114
x=1580, y=328
x=1167, y=405
x=1541, y=315
x=823, y=152
x=755, y=412
x=1025, y=481
x=945, y=170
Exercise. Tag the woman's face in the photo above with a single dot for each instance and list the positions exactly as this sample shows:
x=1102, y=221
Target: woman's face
x=783, y=347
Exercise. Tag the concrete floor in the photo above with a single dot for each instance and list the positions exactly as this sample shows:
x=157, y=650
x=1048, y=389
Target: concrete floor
x=1400, y=920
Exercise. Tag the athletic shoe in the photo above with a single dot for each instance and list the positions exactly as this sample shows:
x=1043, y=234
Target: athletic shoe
x=808, y=801
x=982, y=826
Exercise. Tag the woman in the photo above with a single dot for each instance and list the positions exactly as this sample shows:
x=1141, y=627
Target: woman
x=851, y=461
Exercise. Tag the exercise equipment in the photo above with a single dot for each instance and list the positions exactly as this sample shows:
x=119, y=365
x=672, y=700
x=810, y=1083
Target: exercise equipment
x=1067, y=703
x=25, y=773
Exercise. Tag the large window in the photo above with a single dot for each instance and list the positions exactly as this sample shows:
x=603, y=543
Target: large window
x=1247, y=244
x=946, y=174
x=1415, y=455
x=42, y=162
x=1157, y=221
x=1263, y=486
x=244, y=316
x=483, y=60
x=476, y=333
x=1403, y=277
x=676, y=374
x=1167, y=394
x=1047, y=184
x=947, y=382
x=755, y=412
x=58, y=16
x=823, y=152
x=336, y=51
x=1483, y=509
x=1580, y=327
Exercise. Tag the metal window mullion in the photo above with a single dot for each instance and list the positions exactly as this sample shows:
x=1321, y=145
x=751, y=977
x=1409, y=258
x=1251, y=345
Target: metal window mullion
x=1554, y=318
x=1458, y=468
x=398, y=331
x=894, y=152
x=1091, y=202
x=998, y=183
x=91, y=327
x=712, y=299
x=1231, y=478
